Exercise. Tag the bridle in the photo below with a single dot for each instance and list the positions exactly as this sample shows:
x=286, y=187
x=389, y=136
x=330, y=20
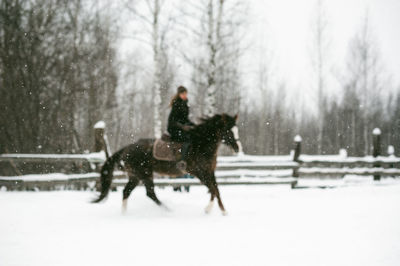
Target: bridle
x=235, y=131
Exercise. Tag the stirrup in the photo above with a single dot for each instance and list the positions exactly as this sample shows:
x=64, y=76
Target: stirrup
x=181, y=166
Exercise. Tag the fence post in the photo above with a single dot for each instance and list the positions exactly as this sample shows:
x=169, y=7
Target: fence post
x=376, y=134
x=296, y=156
x=100, y=139
x=390, y=151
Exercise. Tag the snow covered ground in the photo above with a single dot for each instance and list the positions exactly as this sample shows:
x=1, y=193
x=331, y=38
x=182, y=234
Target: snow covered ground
x=266, y=225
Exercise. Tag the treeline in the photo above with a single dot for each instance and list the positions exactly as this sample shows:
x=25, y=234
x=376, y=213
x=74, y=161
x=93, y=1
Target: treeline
x=60, y=73
x=57, y=75
x=365, y=100
x=273, y=132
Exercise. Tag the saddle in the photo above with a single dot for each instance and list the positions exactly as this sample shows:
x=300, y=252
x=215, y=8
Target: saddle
x=165, y=149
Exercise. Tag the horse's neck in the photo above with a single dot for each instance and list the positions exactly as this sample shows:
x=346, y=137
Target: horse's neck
x=208, y=148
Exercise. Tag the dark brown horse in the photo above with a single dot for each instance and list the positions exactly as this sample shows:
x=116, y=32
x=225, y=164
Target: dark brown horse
x=140, y=164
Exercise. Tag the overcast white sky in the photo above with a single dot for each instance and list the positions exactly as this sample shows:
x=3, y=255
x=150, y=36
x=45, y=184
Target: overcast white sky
x=285, y=26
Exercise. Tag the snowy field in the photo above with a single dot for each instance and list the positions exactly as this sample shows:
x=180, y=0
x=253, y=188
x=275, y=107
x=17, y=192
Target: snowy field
x=266, y=225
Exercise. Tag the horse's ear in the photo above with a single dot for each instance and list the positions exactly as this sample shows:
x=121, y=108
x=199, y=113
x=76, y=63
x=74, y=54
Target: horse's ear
x=236, y=117
x=224, y=119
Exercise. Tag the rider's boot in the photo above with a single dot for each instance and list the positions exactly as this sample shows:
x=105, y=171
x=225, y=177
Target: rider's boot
x=181, y=165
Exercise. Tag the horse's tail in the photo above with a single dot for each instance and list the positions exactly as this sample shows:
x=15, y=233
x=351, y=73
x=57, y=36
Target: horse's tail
x=107, y=175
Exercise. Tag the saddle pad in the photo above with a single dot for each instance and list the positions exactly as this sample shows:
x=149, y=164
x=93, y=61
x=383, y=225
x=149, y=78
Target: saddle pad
x=166, y=151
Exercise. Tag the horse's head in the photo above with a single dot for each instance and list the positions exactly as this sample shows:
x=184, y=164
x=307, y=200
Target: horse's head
x=230, y=132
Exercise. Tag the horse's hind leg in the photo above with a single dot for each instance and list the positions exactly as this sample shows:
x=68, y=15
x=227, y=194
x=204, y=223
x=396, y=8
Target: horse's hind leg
x=130, y=186
x=149, y=184
x=215, y=193
x=213, y=189
x=221, y=206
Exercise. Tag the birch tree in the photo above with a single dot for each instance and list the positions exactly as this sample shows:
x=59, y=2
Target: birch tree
x=156, y=27
x=217, y=36
x=213, y=39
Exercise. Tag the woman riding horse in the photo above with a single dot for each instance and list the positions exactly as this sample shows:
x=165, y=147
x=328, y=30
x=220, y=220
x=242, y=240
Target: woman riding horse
x=139, y=162
x=179, y=124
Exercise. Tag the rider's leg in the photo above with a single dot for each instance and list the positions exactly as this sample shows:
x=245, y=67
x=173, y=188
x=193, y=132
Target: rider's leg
x=185, y=152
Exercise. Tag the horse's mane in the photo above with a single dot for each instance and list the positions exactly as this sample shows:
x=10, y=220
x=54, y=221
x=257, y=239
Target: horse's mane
x=208, y=122
x=207, y=126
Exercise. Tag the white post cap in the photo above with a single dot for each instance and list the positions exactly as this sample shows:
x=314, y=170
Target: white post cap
x=390, y=150
x=343, y=153
x=297, y=138
x=376, y=131
x=100, y=124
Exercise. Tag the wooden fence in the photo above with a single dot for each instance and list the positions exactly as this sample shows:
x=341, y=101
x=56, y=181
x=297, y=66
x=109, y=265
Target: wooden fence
x=79, y=171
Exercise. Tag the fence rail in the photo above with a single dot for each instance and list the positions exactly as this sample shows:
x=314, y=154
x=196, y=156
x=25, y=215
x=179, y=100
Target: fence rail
x=231, y=170
x=88, y=182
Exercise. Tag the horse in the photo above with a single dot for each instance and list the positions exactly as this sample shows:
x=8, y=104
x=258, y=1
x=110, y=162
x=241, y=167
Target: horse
x=139, y=162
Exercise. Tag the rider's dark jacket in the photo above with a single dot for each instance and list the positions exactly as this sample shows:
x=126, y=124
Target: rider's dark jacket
x=179, y=117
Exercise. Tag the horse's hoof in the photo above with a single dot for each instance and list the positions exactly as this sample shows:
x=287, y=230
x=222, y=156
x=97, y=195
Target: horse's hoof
x=124, y=206
x=165, y=208
x=224, y=213
x=209, y=207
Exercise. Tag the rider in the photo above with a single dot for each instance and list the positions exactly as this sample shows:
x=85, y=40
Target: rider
x=179, y=124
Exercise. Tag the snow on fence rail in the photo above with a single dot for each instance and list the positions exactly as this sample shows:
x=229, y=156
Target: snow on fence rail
x=98, y=157
x=225, y=163
x=50, y=182
x=22, y=164
x=244, y=170
x=231, y=170
x=241, y=169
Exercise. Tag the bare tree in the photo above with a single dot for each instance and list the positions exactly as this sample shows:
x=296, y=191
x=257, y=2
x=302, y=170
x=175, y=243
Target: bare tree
x=265, y=85
x=51, y=52
x=394, y=123
x=365, y=72
x=319, y=59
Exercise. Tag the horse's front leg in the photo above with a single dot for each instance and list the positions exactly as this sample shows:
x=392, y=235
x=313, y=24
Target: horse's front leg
x=213, y=187
x=211, y=203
